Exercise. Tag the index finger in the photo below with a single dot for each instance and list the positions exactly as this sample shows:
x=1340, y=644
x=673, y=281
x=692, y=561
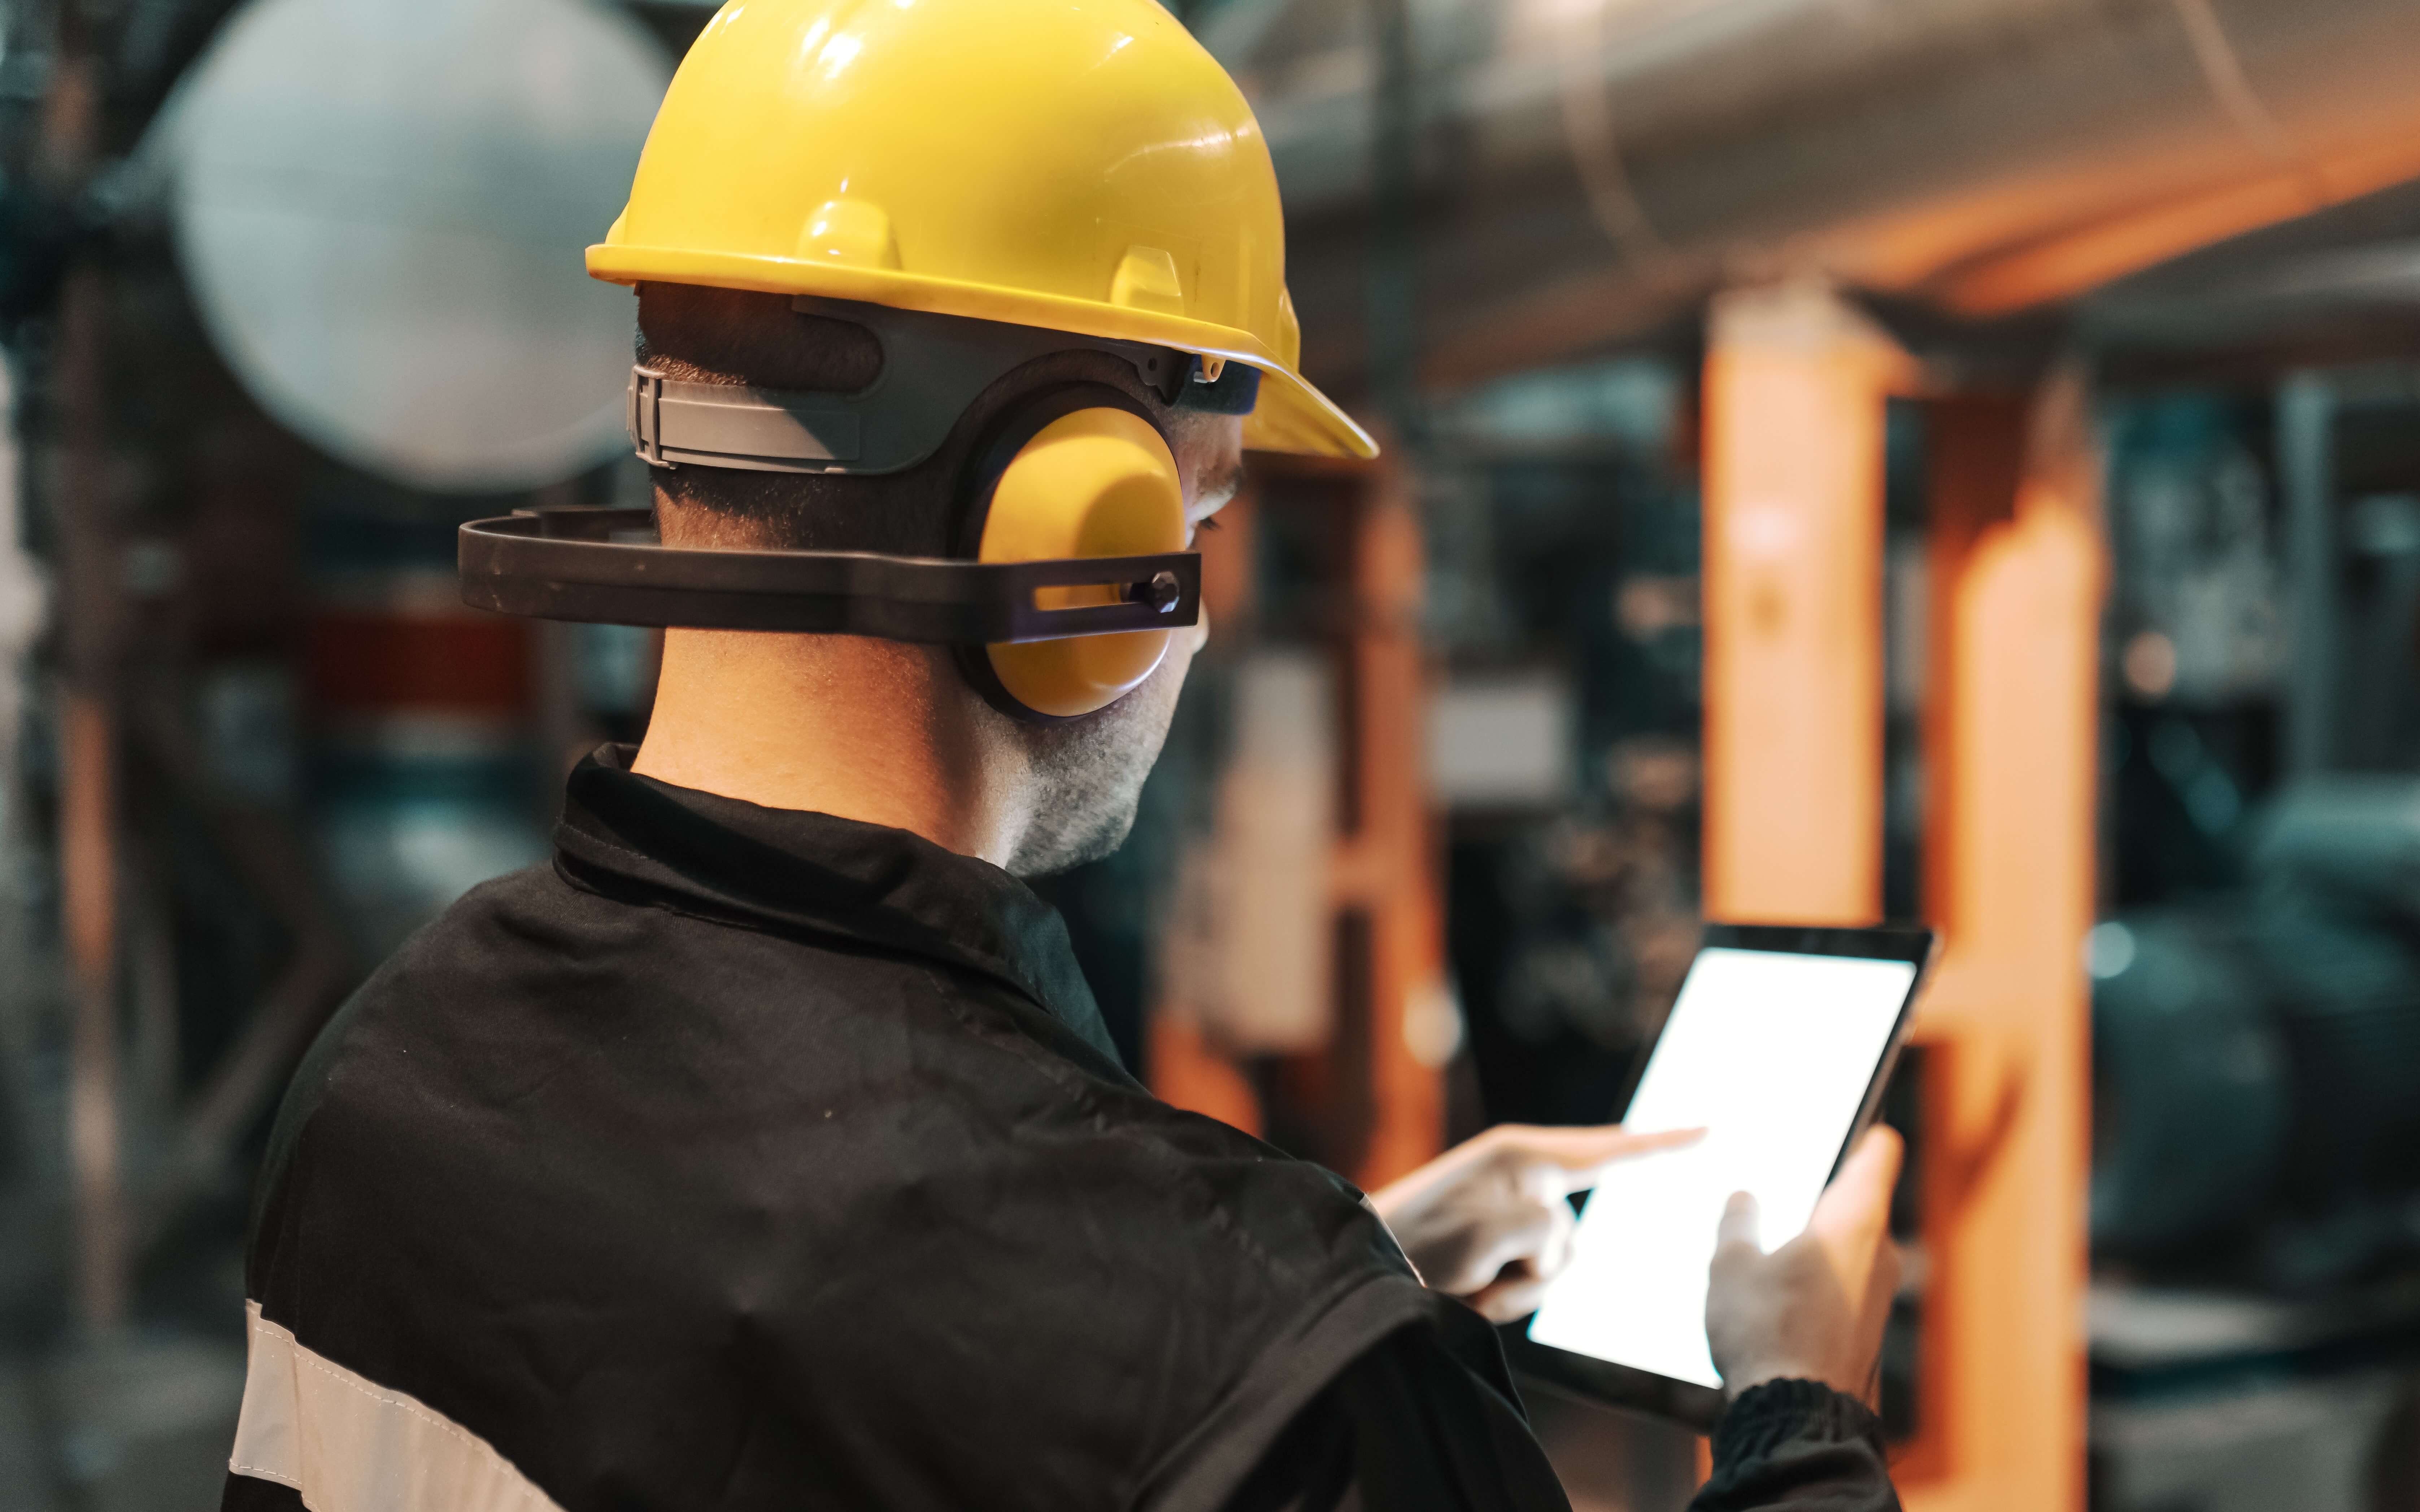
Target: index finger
x=1581, y=1162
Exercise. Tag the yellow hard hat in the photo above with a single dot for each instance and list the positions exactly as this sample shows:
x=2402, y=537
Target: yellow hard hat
x=1080, y=166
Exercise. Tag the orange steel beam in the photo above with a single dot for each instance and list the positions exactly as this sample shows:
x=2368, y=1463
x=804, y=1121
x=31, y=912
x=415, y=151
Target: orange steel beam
x=92, y=635
x=1188, y=1072
x=89, y=922
x=1794, y=398
x=1793, y=395
x=1388, y=866
x=2017, y=568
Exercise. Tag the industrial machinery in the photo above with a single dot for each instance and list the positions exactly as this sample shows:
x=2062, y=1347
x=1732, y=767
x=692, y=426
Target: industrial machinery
x=2256, y=1055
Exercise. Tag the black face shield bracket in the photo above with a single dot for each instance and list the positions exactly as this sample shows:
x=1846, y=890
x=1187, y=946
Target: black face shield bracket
x=603, y=566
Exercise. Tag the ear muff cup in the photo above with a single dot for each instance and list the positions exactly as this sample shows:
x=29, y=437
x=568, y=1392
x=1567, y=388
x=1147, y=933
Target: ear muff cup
x=1082, y=472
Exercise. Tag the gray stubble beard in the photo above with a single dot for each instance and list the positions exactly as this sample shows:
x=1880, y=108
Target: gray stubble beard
x=1090, y=773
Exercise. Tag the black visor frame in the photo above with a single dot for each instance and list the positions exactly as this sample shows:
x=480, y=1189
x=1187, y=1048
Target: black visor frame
x=602, y=566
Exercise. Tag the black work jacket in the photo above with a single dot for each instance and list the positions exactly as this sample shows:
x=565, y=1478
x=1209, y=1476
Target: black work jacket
x=747, y=1158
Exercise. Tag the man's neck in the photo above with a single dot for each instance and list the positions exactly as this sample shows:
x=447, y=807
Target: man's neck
x=860, y=728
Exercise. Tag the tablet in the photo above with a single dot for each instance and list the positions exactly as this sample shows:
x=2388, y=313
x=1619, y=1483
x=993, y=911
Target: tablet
x=1778, y=1045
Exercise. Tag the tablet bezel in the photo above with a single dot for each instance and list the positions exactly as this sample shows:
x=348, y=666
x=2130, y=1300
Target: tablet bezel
x=1686, y=1401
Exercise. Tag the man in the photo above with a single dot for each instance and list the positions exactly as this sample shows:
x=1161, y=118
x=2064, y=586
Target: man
x=766, y=1148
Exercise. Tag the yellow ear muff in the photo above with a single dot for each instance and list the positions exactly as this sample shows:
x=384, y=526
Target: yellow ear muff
x=1096, y=483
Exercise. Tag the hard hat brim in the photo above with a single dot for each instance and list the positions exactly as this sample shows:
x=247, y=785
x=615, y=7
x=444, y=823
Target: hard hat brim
x=1293, y=416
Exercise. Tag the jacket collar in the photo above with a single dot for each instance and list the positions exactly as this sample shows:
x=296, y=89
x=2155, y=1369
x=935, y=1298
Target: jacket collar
x=812, y=873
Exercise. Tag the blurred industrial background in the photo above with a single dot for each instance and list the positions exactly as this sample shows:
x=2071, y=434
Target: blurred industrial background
x=1954, y=459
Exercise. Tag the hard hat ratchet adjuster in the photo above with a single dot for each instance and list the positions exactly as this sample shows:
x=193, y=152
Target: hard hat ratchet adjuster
x=725, y=425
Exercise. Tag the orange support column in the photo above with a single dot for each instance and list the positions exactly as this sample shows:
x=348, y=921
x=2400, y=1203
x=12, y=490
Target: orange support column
x=1386, y=865
x=1795, y=382
x=2017, y=569
x=1795, y=386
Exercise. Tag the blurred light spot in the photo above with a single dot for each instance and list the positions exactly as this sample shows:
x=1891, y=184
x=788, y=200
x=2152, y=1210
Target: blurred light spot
x=1766, y=529
x=1646, y=607
x=2149, y=665
x=2108, y=950
x=1432, y=1025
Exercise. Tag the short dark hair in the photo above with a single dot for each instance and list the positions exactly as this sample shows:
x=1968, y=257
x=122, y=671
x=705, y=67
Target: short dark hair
x=716, y=335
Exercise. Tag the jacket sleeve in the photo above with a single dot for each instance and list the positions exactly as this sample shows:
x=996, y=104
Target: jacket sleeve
x=1797, y=1447
x=1410, y=1426
x=1420, y=1423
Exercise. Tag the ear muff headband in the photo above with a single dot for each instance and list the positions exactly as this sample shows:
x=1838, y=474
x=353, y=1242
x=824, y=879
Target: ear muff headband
x=1075, y=473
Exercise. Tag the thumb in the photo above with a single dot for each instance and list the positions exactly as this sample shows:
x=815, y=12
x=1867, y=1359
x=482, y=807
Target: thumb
x=1856, y=1206
x=1739, y=1223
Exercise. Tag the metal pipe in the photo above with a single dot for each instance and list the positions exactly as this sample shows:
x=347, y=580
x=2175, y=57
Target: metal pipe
x=1592, y=167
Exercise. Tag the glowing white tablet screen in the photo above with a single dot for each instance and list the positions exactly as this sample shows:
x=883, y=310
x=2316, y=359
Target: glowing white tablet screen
x=1771, y=1054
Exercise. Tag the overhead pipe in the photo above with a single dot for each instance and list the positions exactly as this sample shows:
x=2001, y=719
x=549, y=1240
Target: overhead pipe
x=1591, y=168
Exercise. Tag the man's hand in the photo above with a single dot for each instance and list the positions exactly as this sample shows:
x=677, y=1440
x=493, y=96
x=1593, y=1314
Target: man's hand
x=1813, y=1309
x=1489, y=1220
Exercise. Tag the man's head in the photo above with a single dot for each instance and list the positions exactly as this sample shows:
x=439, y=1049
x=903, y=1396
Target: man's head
x=1094, y=173
x=1037, y=797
